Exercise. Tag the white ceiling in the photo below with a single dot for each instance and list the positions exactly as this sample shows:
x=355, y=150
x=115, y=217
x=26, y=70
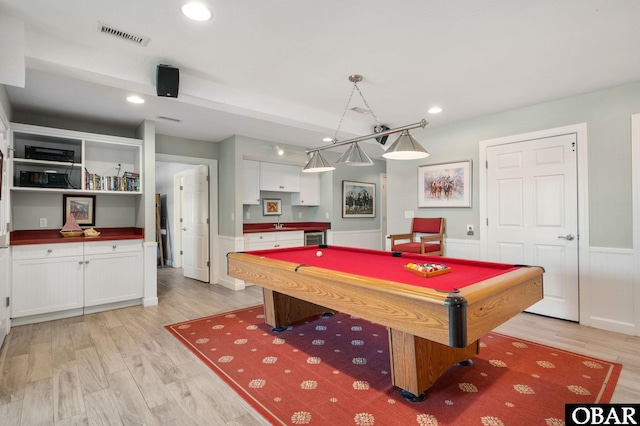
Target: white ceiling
x=278, y=70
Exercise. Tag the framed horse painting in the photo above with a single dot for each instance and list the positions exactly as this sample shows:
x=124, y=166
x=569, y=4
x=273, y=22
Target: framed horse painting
x=445, y=185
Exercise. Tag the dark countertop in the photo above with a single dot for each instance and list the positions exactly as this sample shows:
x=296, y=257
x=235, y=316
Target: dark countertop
x=48, y=236
x=249, y=228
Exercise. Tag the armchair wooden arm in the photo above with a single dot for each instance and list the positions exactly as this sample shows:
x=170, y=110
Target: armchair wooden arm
x=396, y=237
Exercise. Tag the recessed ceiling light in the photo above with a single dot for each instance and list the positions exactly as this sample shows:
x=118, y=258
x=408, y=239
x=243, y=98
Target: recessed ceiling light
x=135, y=99
x=434, y=110
x=196, y=11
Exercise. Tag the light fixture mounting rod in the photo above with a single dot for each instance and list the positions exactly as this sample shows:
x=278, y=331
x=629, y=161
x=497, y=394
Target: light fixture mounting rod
x=422, y=123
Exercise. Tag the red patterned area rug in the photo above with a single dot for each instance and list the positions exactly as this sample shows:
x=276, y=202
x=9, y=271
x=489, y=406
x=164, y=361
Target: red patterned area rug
x=335, y=371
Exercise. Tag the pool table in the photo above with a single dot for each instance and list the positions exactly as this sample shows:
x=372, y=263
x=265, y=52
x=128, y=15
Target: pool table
x=433, y=322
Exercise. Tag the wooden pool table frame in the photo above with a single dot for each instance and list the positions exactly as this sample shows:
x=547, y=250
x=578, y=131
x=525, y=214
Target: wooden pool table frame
x=429, y=331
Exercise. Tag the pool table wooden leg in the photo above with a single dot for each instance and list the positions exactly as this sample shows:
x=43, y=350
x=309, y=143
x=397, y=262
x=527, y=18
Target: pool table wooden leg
x=417, y=363
x=281, y=310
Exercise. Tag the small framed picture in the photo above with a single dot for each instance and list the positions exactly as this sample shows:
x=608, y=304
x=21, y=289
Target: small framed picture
x=445, y=185
x=271, y=206
x=358, y=199
x=81, y=207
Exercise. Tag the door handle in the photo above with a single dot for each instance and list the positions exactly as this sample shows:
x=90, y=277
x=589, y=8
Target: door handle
x=568, y=237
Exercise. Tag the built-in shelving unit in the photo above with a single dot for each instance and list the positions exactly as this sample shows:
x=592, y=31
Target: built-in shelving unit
x=55, y=160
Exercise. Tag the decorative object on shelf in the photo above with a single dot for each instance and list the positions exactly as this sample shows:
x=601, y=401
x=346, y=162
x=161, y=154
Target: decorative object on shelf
x=271, y=206
x=81, y=207
x=404, y=148
x=90, y=232
x=71, y=228
x=358, y=199
x=445, y=185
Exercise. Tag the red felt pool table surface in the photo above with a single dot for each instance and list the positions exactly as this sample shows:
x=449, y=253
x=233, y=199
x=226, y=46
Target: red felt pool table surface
x=384, y=266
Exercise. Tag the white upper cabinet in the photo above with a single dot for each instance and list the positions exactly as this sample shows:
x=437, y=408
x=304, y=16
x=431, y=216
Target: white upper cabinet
x=250, y=182
x=279, y=177
x=309, y=194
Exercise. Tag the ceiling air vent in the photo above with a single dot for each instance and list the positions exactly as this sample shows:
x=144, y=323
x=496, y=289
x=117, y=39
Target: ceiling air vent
x=108, y=29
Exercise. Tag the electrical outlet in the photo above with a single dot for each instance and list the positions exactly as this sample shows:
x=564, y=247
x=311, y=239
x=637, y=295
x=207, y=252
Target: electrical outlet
x=299, y=215
x=248, y=216
x=43, y=222
x=470, y=230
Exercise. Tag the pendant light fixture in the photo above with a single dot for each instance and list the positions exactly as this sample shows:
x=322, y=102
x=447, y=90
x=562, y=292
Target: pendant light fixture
x=404, y=148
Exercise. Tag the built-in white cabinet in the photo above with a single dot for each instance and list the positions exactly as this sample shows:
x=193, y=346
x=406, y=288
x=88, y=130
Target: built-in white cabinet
x=47, y=278
x=251, y=182
x=279, y=177
x=56, y=160
x=275, y=239
x=112, y=272
x=74, y=277
x=309, y=194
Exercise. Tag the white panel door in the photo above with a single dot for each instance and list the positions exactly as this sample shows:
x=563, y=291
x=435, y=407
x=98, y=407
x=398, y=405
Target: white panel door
x=532, y=208
x=195, y=223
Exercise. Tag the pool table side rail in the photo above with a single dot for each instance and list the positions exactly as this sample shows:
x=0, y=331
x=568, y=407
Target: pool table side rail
x=496, y=300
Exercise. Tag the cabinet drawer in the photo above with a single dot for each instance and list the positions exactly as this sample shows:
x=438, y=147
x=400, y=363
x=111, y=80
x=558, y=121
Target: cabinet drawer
x=109, y=247
x=44, y=251
x=260, y=237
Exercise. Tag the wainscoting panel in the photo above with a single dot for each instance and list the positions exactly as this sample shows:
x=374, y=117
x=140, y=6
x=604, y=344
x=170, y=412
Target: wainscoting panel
x=369, y=239
x=462, y=249
x=610, y=290
x=228, y=244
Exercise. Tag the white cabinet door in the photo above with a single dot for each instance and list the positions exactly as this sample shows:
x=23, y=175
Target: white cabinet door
x=46, y=285
x=279, y=177
x=289, y=239
x=309, y=194
x=260, y=241
x=110, y=278
x=251, y=182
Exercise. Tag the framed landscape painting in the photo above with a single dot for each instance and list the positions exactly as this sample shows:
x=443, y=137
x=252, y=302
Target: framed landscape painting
x=445, y=185
x=358, y=199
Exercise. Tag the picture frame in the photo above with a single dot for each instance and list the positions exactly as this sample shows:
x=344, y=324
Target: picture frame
x=445, y=185
x=358, y=199
x=271, y=206
x=82, y=207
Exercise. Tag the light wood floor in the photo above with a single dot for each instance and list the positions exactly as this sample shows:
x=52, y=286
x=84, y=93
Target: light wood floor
x=122, y=366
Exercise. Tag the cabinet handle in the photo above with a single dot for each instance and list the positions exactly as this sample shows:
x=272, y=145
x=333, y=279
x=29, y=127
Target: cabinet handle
x=86, y=262
x=80, y=262
x=114, y=246
x=49, y=251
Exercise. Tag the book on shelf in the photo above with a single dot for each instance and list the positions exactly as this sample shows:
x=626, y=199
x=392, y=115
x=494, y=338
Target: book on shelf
x=128, y=182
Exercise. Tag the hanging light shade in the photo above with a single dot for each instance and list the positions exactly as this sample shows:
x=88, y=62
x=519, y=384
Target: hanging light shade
x=317, y=163
x=354, y=156
x=405, y=148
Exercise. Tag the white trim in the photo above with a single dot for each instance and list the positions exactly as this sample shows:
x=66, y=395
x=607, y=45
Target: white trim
x=214, y=264
x=635, y=185
x=580, y=131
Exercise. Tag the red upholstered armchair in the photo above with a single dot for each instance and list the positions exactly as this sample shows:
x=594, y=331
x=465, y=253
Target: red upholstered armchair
x=432, y=244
